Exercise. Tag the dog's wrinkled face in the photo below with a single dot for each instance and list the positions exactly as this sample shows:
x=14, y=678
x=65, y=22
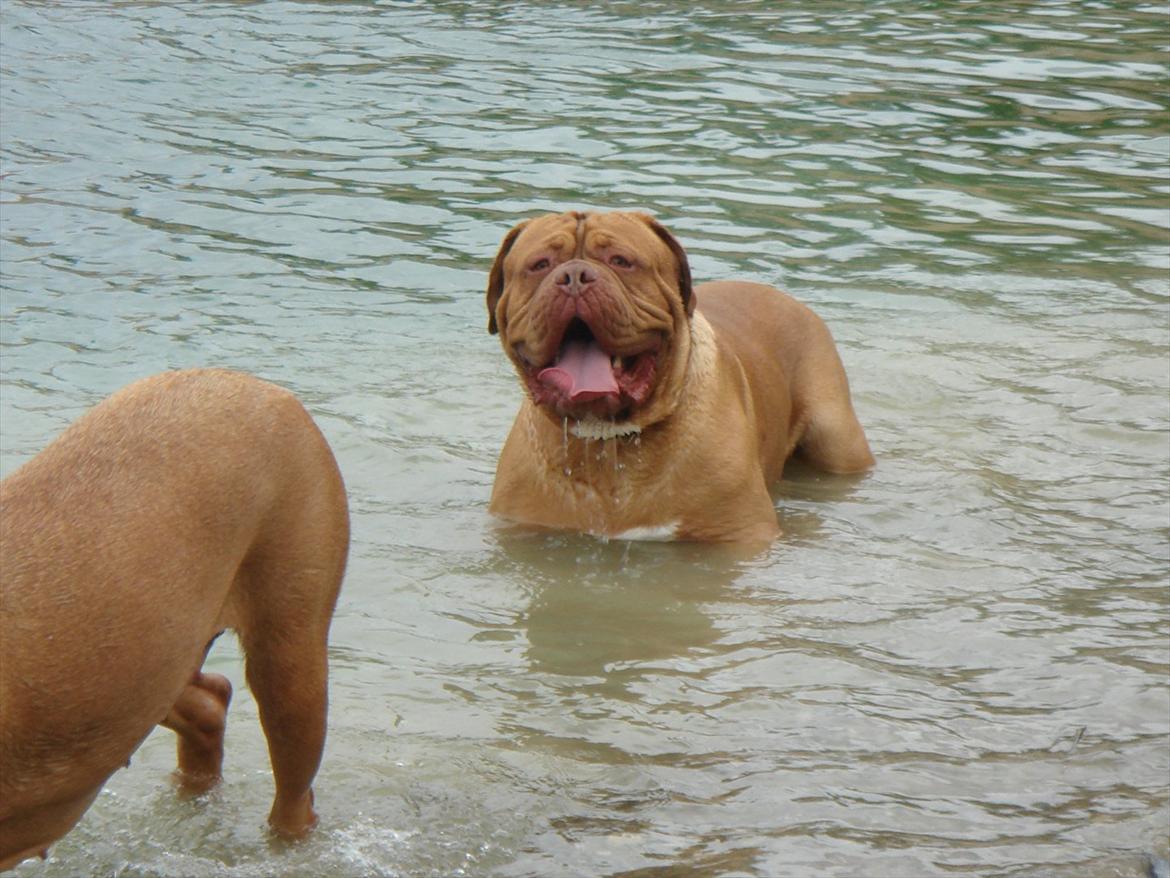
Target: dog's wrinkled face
x=592, y=310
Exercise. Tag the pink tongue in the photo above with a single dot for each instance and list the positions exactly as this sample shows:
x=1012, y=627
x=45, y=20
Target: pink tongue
x=583, y=372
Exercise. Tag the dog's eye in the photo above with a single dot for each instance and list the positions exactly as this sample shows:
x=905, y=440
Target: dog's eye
x=620, y=261
x=539, y=265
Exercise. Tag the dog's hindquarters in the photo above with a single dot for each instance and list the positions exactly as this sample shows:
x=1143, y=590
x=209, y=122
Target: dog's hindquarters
x=184, y=504
x=797, y=380
x=832, y=438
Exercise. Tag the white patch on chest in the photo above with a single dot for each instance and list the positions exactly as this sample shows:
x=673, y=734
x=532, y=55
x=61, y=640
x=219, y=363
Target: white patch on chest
x=595, y=428
x=658, y=533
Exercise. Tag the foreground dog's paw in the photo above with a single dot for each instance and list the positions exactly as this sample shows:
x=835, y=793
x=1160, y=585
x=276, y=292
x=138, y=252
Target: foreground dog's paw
x=293, y=820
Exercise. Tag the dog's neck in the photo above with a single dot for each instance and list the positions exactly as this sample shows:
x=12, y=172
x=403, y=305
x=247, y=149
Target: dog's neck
x=701, y=357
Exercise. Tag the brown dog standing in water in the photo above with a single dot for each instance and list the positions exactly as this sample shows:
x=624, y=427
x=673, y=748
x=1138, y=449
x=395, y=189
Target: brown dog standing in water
x=654, y=408
x=184, y=504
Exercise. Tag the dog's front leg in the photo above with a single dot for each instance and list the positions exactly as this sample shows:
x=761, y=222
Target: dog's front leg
x=199, y=717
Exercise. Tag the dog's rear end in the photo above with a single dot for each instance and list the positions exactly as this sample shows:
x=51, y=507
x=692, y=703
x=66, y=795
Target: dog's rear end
x=185, y=504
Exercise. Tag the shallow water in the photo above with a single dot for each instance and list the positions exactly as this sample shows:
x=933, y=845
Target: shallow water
x=957, y=664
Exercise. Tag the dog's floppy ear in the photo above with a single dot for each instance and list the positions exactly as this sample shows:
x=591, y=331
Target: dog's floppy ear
x=685, y=286
x=495, y=287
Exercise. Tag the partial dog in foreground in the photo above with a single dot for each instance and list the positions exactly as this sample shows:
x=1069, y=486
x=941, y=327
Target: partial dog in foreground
x=655, y=408
x=183, y=505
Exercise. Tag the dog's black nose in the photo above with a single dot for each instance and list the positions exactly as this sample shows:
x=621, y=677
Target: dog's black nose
x=575, y=277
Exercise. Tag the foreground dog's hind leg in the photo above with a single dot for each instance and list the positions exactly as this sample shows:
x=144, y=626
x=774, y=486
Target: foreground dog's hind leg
x=289, y=682
x=285, y=592
x=199, y=717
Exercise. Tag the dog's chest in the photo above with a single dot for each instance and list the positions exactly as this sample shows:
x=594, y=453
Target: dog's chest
x=608, y=488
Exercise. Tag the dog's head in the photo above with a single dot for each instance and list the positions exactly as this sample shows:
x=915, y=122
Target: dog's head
x=593, y=310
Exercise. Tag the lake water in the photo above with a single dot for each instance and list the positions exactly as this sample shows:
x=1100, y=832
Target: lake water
x=956, y=665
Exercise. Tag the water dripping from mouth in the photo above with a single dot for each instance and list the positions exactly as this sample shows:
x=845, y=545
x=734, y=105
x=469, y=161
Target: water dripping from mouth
x=565, y=444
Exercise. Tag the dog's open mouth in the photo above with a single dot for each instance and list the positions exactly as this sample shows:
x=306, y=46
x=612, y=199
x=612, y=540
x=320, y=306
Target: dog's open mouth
x=584, y=378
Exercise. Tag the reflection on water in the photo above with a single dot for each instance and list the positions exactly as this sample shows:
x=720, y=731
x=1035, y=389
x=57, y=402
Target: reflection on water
x=957, y=663
x=607, y=614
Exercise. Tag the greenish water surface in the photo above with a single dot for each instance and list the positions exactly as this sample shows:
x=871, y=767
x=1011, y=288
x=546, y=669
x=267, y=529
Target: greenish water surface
x=957, y=665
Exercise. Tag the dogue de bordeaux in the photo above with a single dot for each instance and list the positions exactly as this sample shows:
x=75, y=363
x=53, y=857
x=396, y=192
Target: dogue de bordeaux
x=655, y=408
x=182, y=505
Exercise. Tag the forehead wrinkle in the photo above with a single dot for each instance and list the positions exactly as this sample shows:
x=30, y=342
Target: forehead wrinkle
x=600, y=239
x=556, y=241
x=620, y=228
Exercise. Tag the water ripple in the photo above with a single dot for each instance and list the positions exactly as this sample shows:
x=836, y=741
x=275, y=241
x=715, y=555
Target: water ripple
x=957, y=663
